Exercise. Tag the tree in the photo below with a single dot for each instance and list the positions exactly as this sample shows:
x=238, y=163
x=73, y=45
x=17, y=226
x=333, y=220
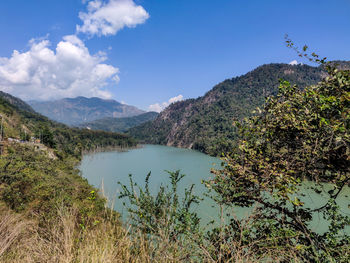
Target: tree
x=298, y=135
x=47, y=137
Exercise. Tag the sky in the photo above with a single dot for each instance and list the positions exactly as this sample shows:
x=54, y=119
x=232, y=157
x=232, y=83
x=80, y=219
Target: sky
x=150, y=53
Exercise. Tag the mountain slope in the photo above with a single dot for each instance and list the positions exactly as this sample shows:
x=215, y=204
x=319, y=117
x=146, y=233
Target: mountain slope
x=119, y=124
x=20, y=104
x=21, y=124
x=74, y=111
x=205, y=123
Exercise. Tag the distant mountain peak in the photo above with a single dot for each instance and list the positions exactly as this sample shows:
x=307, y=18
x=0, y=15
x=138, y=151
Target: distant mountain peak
x=119, y=124
x=73, y=111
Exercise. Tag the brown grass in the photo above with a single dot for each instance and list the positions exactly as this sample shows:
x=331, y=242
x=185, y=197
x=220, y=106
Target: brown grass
x=64, y=241
x=12, y=228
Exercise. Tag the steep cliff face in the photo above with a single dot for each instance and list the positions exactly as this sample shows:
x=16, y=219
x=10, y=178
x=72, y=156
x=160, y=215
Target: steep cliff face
x=205, y=123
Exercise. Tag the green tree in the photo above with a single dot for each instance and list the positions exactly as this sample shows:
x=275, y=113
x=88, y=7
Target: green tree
x=298, y=135
x=47, y=137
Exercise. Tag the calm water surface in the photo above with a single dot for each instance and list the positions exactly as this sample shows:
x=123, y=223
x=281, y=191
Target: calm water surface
x=107, y=168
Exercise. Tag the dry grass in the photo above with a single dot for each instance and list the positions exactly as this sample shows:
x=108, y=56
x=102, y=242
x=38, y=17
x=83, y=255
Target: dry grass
x=12, y=229
x=64, y=241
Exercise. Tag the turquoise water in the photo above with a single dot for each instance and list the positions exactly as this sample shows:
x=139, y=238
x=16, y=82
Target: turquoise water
x=104, y=170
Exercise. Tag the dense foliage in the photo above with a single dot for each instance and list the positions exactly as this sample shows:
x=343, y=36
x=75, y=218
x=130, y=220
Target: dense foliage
x=34, y=182
x=36, y=177
x=205, y=124
x=299, y=134
x=119, y=124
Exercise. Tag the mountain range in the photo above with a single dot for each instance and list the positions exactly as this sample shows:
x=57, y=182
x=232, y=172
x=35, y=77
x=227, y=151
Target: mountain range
x=20, y=122
x=119, y=124
x=74, y=111
x=206, y=123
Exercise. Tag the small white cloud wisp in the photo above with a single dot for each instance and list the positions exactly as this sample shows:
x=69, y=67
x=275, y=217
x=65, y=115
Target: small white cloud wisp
x=69, y=70
x=158, y=107
x=295, y=62
x=107, y=18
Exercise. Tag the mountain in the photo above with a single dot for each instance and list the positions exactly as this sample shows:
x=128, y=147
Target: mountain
x=39, y=178
x=119, y=124
x=20, y=104
x=20, y=122
x=206, y=123
x=74, y=111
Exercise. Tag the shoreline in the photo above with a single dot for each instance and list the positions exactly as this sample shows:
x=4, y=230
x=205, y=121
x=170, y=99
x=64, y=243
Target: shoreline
x=111, y=149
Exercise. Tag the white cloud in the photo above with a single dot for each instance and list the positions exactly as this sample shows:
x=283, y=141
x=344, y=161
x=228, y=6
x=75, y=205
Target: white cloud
x=295, y=62
x=108, y=18
x=158, y=107
x=68, y=71
x=175, y=99
x=155, y=107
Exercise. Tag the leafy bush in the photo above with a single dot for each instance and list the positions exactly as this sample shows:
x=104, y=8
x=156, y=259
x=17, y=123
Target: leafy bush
x=163, y=212
x=299, y=135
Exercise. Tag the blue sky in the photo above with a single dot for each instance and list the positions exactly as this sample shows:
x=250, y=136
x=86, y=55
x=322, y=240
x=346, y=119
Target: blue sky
x=145, y=52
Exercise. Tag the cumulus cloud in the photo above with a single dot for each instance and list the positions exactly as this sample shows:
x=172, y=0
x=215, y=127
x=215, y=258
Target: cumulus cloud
x=108, y=18
x=158, y=107
x=68, y=71
x=295, y=62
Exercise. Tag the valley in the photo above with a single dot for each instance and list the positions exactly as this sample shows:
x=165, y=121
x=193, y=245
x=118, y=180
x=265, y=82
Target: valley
x=174, y=131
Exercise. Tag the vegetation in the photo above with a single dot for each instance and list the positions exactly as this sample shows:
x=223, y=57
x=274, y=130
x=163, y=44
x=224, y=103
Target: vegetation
x=164, y=212
x=205, y=124
x=299, y=134
x=119, y=124
x=17, y=121
x=35, y=182
x=48, y=213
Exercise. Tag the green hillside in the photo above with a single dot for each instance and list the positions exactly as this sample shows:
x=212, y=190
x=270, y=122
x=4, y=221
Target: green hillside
x=37, y=176
x=205, y=123
x=18, y=123
x=20, y=104
x=119, y=124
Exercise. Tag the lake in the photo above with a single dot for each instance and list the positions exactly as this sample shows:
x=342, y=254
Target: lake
x=105, y=169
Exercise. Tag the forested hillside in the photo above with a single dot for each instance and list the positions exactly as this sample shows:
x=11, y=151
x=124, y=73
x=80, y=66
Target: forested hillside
x=205, y=123
x=41, y=190
x=20, y=104
x=119, y=124
x=19, y=123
